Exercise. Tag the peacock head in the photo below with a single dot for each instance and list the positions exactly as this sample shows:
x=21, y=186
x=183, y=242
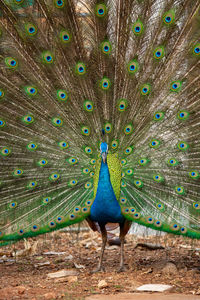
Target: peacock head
x=104, y=151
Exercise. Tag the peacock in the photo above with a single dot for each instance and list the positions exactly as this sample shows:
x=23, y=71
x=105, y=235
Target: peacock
x=99, y=116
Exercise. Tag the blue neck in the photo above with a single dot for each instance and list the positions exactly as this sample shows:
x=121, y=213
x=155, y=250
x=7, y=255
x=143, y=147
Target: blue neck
x=105, y=208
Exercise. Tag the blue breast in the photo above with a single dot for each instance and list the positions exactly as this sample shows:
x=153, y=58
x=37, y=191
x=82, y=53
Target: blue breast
x=105, y=208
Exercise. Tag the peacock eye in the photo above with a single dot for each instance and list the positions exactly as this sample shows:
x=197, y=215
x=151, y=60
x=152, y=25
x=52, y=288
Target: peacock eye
x=172, y=162
x=158, y=52
x=158, y=116
x=128, y=129
x=80, y=68
x=137, y=28
x=54, y=177
x=1, y=93
x=105, y=84
x=106, y=47
x=108, y=127
x=47, y=57
x=194, y=174
x=85, y=130
x=100, y=10
x=46, y=200
x=145, y=89
x=183, y=115
x=196, y=49
x=58, y=122
x=11, y=63
x=2, y=123
x=168, y=19
x=176, y=86
x=59, y=3
x=5, y=151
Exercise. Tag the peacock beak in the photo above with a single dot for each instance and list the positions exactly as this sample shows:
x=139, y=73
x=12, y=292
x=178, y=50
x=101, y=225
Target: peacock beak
x=104, y=155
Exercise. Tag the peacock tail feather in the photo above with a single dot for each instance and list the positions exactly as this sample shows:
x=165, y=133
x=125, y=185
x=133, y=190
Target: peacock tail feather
x=72, y=68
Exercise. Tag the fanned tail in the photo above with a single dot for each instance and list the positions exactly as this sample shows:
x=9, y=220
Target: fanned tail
x=129, y=67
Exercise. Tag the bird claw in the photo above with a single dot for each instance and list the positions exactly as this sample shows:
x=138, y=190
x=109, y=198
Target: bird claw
x=98, y=269
x=122, y=269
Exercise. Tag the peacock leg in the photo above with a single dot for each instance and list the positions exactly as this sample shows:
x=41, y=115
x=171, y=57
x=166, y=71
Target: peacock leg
x=100, y=268
x=124, y=228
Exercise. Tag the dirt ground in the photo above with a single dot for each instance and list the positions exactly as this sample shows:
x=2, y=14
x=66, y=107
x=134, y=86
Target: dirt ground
x=24, y=267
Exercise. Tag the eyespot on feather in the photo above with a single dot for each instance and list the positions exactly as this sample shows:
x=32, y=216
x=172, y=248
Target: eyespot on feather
x=100, y=10
x=138, y=28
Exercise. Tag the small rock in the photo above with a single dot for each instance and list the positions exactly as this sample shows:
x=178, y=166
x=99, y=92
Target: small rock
x=170, y=268
x=154, y=288
x=49, y=296
x=63, y=273
x=102, y=284
x=21, y=290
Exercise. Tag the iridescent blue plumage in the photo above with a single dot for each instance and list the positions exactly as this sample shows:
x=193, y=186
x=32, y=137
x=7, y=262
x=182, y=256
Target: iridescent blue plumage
x=105, y=207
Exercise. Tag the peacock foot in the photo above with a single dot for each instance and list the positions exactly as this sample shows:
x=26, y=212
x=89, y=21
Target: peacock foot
x=98, y=270
x=122, y=269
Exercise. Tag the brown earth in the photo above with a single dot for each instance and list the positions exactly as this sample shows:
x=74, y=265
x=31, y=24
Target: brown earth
x=24, y=276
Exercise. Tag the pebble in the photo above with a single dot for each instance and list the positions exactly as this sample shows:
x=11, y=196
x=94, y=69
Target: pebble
x=21, y=290
x=102, y=284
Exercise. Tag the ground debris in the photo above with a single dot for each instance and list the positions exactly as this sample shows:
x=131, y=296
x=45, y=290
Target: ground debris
x=149, y=246
x=62, y=273
x=67, y=253
x=42, y=264
x=51, y=253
